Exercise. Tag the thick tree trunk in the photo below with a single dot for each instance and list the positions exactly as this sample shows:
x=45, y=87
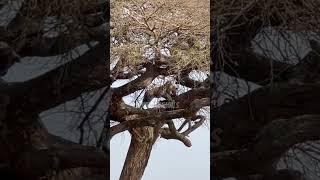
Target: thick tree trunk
x=142, y=140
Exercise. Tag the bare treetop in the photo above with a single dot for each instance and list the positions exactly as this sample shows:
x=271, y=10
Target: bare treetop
x=153, y=40
x=177, y=31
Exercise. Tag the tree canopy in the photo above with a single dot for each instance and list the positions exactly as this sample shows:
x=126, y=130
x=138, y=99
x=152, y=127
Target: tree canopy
x=153, y=42
x=265, y=118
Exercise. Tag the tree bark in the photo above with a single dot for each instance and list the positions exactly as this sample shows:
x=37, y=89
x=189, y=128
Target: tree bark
x=142, y=140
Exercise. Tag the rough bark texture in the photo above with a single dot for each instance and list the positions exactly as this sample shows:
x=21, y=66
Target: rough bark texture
x=142, y=140
x=185, y=34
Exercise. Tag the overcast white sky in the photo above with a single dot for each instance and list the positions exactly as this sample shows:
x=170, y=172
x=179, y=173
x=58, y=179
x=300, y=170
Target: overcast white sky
x=170, y=159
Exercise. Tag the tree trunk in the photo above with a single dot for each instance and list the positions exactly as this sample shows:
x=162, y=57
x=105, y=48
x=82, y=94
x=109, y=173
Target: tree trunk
x=142, y=140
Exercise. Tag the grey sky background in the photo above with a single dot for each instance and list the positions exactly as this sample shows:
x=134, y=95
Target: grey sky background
x=300, y=48
x=169, y=159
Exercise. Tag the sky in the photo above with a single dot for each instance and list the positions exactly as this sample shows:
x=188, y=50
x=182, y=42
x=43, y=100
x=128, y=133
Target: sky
x=170, y=159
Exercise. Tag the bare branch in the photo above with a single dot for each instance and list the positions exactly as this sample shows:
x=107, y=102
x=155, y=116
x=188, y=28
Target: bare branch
x=37, y=163
x=141, y=82
x=84, y=74
x=279, y=135
x=253, y=111
x=196, y=125
x=172, y=133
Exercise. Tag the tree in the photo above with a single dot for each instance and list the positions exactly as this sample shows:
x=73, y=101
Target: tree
x=276, y=122
x=41, y=28
x=154, y=42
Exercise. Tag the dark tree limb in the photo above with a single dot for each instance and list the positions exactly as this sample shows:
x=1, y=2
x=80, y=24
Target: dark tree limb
x=184, y=99
x=104, y=96
x=154, y=117
x=271, y=143
x=173, y=133
x=141, y=82
x=240, y=120
x=196, y=125
x=258, y=69
x=262, y=70
x=67, y=82
x=51, y=46
x=30, y=41
x=37, y=163
x=232, y=36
